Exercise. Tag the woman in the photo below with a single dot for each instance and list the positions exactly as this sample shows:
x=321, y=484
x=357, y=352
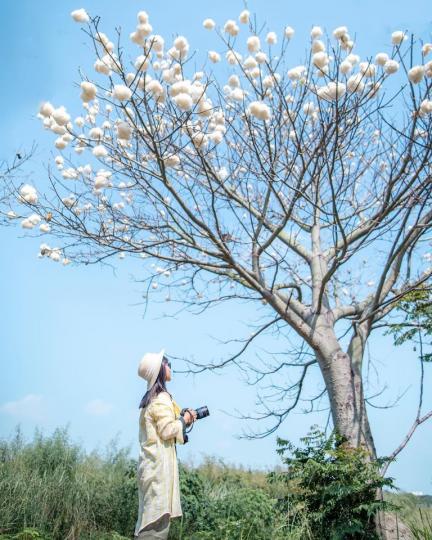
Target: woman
x=160, y=427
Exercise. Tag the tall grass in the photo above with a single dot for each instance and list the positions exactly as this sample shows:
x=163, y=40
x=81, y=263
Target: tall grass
x=51, y=489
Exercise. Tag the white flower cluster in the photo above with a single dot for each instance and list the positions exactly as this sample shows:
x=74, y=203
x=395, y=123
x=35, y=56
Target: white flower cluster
x=55, y=254
x=28, y=194
x=260, y=110
x=80, y=15
x=143, y=29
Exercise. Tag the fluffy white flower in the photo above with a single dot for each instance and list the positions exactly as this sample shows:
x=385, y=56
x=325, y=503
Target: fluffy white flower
x=100, y=151
x=309, y=108
x=80, y=15
x=355, y=83
x=214, y=56
x=181, y=43
x=183, y=101
x=231, y=28
x=209, y=24
x=261, y=57
x=250, y=63
x=398, y=37
x=26, y=224
x=426, y=106
x=142, y=17
x=181, y=87
x=391, y=66
x=317, y=46
x=95, y=133
x=11, y=214
x=61, y=116
x=353, y=59
x=367, y=69
x=416, y=74
x=45, y=228
x=60, y=143
x=121, y=92
x=260, y=110
x=428, y=69
x=381, y=58
x=35, y=219
x=244, y=16
x=332, y=91
x=296, y=73
x=289, y=32
x=124, y=130
x=345, y=67
x=141, y=63
x=426, y=49
x=172, y=161
x=253, y=44
x=271, y=38
x=103, y=67
x=320, y=59
x=46, y=109
x=88, y=91
x=100, y=181
x=340, y=32
x=155, y=88
x=316, y=32
x=233, y=57
x=216, y=137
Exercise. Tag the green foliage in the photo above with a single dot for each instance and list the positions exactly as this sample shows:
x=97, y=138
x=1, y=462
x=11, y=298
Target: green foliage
x=416, y=325
x=50, y=489
x=332, y=484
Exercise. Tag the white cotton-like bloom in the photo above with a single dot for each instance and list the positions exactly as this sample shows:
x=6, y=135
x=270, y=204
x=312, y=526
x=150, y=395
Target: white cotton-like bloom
x=416, y=74
x=11, y=214
x=26, y=224
x=59, y=160
x=345, y=67
x=332, y=91
x=250, y=63
x=253, y=44
x=340, y=32
x=234, y=81
x=181, y=43
x=317, y=46
x=353, y=59
x=289, y=32
x=214, y=56
x=60, y=143
x=391, y=66
x=426, y=49
x=205, y=107
x=261, y=57
x=233, y=57
x=426, y=106
x=102, y=67
x=381, y=58
x=309, y=108
x=428, y=69
x=61, y=116
x=296, y=73
x=121, y=92
x=231, y=28
x=79, y=121
x=124, y=130
x=95, y=133
x=271, y=38
x=316, y=32
x=88, y=91
x=244, y=16
x=45, y=228
x=181, y=87
x=100, y=151
x=58, y=130
x=155, y=88
x=141, y=63
x=28, y=194
x=260, y=110
x=100, y=181
x=398, y=37
x=216, y=137
x=355, y=83
x=46, y=109
x=80, y=15
x=183, y=101
x=209, y=24
x=142, y=17
x=35, y=219
x=367, y=69
x=320, y=59
x=172, y=161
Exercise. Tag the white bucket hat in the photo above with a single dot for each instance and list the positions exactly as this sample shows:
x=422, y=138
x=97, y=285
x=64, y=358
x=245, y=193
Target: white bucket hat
x=149, y=367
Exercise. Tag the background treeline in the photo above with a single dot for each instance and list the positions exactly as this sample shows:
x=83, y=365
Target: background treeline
x=50, y=488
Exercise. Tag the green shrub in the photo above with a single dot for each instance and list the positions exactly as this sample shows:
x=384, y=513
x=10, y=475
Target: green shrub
x=333, y=485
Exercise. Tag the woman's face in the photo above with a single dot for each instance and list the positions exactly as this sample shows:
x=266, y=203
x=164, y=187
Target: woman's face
x=167, y=371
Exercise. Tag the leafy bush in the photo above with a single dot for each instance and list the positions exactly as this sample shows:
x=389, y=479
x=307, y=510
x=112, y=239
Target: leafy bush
x=333, y=485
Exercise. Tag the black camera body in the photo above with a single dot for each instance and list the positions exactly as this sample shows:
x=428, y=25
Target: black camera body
x=202, y=412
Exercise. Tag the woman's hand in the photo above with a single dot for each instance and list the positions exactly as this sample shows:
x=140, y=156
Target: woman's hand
x=190, y=416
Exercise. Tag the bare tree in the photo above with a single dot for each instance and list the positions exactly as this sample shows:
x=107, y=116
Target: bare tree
x=304, y=189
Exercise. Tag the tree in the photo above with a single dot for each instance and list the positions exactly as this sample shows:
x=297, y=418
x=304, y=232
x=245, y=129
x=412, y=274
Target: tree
x=277, y=187
x=8, y=171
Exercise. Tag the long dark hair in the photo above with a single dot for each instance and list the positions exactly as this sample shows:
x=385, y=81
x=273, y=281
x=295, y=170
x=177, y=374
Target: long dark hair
x=158, y=387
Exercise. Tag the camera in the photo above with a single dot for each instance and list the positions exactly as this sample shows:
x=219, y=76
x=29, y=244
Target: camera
x=202, y=412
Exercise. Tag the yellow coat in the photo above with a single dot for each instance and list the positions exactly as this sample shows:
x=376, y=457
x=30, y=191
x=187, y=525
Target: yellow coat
x=158, y=476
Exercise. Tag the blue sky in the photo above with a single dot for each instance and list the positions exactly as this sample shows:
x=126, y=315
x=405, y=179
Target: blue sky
x=71, y=337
